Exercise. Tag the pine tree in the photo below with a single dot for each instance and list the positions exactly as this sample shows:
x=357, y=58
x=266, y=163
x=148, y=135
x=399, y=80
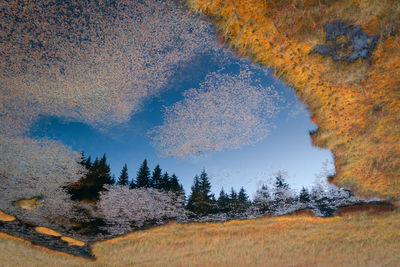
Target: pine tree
x=132, y=184
x=174, y=183
x=263, y=200
x=282, y=193
x=223, y=202
x=92, y=183
x=156, y=178
x=201, y=201
x=165, y=182
x=83, y=161
x=88, y=163
x=194, y=196
x=104, y=173
x=304, y=196
x=143, y=176
x=207, y=200
x=123, y=178
x=233, y=200
x=243, y=200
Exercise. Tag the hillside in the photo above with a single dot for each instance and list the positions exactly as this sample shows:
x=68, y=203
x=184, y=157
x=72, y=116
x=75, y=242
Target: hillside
x=355, y=240
x=342, y=58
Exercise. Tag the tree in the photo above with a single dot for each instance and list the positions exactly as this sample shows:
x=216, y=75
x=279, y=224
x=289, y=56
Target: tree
x=207, y=199
x=125, y=210
x=143, y=176
x=41, y=169
x=205, y=185
x=233, y=200
x=304, y=196
x=223, y=202
x=156, y=177
x=174, y=183
x=89, y=186
x=243, y=200
x=132, y=184
x=201, y=201
x=164, y=184
x=123, y=178
x=104, y=173
x=282, y=192
x=194, y=196
x=262, y=200
x=82, y=159
x=88, y=163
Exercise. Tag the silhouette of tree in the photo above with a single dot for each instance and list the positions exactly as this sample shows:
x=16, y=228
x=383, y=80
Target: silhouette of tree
x=123, y=179
x=143, y=176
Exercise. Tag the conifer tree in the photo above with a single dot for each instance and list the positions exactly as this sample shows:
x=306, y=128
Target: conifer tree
x=143, y=176
x=304, y=196
x=165, y=182
x=243, y=200
x=104, y=173
x=92, y=183
x=88, y=163
x=207, y=200
x=156, y=178
x=194, y=196
x=123, y=178
x=132, y=184
x=233, y=200
x=174, y=183
x=281, y=191
x=83, y=161
x=263, y=200
x=223, y=201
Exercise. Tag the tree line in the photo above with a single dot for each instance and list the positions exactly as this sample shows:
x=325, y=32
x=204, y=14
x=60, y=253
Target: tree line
x=275, y=199
x=98, y=175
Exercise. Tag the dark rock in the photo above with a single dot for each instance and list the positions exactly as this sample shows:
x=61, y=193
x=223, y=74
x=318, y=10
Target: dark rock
x=27, y=232
x=357, y=43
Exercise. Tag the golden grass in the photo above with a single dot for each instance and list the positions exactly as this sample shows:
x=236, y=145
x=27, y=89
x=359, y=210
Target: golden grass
x=357, y=105
x=72, y=242
x=46, y=231
x=5, y=217
x=355, y=240
x=28, y=204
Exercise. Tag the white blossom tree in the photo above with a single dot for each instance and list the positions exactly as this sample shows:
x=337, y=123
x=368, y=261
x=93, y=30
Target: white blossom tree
x=125, y=209
x=37, y=169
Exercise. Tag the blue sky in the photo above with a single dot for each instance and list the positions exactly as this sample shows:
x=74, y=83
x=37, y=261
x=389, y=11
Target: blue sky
x=287, y=147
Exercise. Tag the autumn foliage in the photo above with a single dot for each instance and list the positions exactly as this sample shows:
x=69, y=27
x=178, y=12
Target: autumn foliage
x=356, y=105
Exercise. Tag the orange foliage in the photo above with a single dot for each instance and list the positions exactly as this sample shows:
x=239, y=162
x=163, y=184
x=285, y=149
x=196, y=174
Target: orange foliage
x=356, y=105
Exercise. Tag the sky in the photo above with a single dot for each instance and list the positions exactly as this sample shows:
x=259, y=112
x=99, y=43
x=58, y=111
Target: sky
x=287, y=147
x=144, y=79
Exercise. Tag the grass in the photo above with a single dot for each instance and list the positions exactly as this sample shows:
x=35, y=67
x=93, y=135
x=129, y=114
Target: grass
x=356, y=105
x=5, y=217
x=72, y=242
x=47, y=231
x=358, y=239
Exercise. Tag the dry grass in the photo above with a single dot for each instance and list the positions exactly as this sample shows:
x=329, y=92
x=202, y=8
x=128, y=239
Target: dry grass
x=354, y=240
x=357, y=105
x=29, y=204
x=46, y=231
x=72, y=242
x=5, y=217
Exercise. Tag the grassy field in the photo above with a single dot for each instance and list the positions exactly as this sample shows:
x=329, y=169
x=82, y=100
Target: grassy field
x=356, y=105
x=353, y=240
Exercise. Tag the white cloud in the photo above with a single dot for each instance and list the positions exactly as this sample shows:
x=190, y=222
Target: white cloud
x=226, y=112
x=95, y=64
